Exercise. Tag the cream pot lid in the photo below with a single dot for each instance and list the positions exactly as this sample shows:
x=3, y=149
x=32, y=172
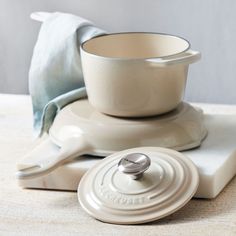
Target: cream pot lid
x=138, y=185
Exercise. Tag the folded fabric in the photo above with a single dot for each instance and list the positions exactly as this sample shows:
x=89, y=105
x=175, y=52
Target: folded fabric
x=55, y=75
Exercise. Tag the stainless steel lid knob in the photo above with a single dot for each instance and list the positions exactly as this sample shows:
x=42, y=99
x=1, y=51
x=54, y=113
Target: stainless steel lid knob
x=134, y=164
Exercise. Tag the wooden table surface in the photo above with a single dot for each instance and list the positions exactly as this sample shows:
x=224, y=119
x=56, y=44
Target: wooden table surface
x=40, y=212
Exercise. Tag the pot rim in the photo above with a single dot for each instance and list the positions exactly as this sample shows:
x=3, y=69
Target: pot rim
x=132, y=58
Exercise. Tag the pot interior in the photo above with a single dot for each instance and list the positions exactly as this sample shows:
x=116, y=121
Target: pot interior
x=135, y=45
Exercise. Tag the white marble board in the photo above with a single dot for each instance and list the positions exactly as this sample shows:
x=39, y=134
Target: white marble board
x=215, y=159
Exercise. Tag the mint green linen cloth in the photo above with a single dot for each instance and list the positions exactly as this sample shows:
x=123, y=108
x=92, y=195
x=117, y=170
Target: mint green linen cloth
x=55, y=75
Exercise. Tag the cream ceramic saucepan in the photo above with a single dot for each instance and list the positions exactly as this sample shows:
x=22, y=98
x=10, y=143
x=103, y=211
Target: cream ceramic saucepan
x=136, y=74
x=79, y=129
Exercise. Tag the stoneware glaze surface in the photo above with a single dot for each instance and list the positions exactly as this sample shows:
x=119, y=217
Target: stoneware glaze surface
x=136, y=74
x=113, y=196
x=180, y=129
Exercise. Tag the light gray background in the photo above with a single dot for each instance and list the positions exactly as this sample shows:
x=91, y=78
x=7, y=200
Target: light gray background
x=210, y=26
